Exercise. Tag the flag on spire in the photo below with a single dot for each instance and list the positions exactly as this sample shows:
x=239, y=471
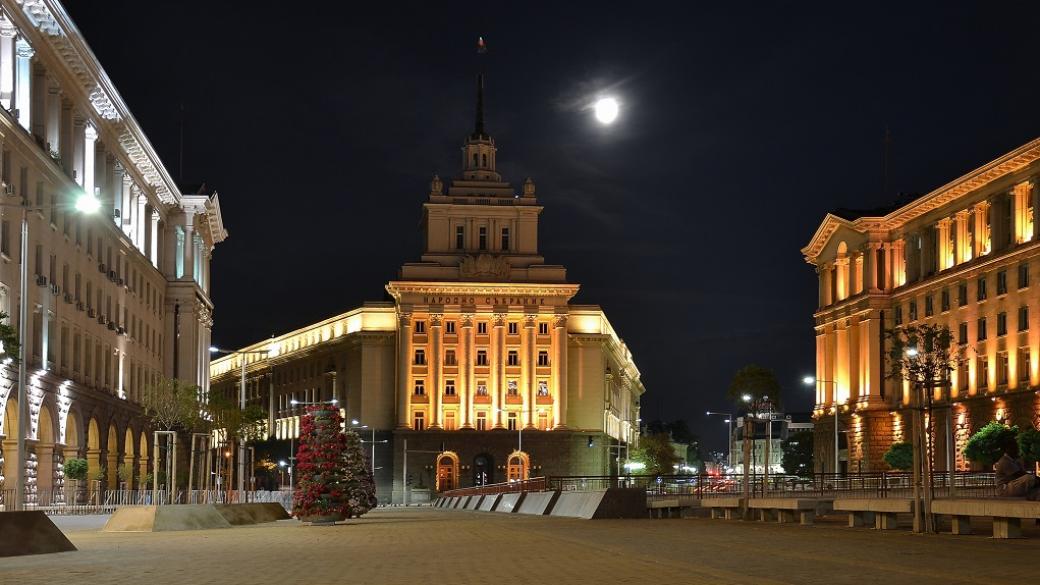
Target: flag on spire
x=481, y=47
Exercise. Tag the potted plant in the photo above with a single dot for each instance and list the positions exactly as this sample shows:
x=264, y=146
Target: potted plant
x=321, y=497
x=988, y=445
x=900, y=456
x=1029, y=446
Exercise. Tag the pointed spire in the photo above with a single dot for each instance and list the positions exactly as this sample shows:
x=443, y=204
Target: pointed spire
x=478, y=130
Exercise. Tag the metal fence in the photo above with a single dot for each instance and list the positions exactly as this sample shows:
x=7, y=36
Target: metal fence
x=535, y=484
x=92, y=500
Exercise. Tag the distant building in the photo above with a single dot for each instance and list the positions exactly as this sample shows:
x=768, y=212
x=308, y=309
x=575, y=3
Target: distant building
x=766, y=438
x=480, y=342
x=966, y=256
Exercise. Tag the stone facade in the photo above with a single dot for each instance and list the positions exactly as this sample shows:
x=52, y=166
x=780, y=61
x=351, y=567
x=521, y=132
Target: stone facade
x=966, y=256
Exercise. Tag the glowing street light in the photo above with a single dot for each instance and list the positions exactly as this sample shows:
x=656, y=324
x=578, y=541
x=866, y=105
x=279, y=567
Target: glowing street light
x=606, y=110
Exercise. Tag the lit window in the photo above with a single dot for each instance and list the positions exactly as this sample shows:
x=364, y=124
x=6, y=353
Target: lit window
x=481, y=421
x=513, y=358
x=543, y=388
x=511, y=388
x=512, y=421
x=481, y=388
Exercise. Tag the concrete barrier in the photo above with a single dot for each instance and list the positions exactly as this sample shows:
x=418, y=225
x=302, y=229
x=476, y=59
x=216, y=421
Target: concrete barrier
x=30, y=533
x=164, y=518
x=509, y=503
x=598, y=504
x=463, y=501
x=787, y=509
x=728, y=507
x=881, y=512
x=474, y=502
x=1007, y=514
x=489, y=502
x=538, y=503
x=251, y=513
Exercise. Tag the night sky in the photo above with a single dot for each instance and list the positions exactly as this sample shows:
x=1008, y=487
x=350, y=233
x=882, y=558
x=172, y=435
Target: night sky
x=321, y=123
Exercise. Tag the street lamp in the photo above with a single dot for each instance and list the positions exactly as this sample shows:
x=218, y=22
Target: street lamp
x=356, y=423
x=809, y=381
x=729, y=438
x=86, y=203
x=241, y=405
x=520, y=428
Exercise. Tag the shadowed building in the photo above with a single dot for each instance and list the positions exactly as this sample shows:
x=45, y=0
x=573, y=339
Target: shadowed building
x=965, y=256
x=479, y=351
x=116, y=299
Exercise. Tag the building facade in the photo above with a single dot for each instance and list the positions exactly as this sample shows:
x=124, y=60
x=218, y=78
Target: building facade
x=965, y=256
x=116, y=299
x=480, y=370
x=767, y=442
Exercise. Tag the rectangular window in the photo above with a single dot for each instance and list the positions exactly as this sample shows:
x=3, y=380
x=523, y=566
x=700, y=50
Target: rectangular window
x=962, y=333
x=1023, y=318
x=420, y=357
x=420, y=326
x=511, y=421
x=513, y=358
x=5, y=237
x=449, y=387
x=982, y=373
x=513, y=328
x=505, y=239
x=460, y=237
x=481, y=421
x=419, y=421
x=913, y=311
x=1023, y=364
x=481, y=388
x=449, y=327
x=1023, y=275
x=1001, y=324
x=1002, y=282
x=543, y=421
x=944, y=300
x=482, y=238
x=420, y=387
x=980, y=289
x=543, y=329
x=929, y=306
x=962, y=375
x=449, y=421
x=899, y=315
x=482, y=357
x=481, y=328
x=543, y=358
x=511, y=388
x=981, y=333
x=449, y=357
x=962, y=294
x=1002, y=368
x=543, y=388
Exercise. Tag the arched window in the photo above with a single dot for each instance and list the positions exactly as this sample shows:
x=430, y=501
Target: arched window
x=447, y=471
x=518, y=466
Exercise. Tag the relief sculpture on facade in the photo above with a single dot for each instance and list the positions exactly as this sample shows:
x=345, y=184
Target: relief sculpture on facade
x=484, y=267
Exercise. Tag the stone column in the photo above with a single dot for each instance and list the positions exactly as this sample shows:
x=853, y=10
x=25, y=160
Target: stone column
x=435, y=361
x=498, y=381
x=466, y=371
x=559, y=371
x=79, y=140
x=52, y=121
x=13, y=476
x=7, y=33
x=528, y=351
x=23, y=81
x=153, y=254
x=189, y=251
x=983, y=243
x=141, y=220
x=870, y=269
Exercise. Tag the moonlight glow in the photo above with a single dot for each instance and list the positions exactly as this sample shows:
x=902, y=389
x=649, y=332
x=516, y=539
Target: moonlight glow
x=606, y=110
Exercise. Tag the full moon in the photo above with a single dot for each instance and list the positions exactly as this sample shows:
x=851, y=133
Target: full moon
x=606, y=110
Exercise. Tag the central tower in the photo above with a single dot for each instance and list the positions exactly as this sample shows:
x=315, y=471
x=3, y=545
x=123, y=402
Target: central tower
x=481, y=229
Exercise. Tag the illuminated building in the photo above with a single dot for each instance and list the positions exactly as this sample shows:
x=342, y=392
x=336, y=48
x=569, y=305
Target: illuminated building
x=480, y=343
x=118, y=298
x=964, y=255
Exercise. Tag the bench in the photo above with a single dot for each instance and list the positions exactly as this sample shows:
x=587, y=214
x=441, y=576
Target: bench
x=784, y=510
x=726, y=507
x=1007, y=514
x=881, y=512
x=665, y=507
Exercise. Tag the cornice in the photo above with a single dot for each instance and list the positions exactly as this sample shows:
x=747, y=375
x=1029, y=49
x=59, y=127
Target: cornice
x=397, y=288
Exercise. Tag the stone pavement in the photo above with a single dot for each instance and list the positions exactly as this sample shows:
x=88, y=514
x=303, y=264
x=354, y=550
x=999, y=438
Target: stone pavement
x=429, y=546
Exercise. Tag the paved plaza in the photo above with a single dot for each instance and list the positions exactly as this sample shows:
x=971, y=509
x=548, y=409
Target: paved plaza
x=430, y=546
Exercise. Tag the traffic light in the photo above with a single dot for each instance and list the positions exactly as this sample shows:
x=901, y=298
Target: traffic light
x=409, y=479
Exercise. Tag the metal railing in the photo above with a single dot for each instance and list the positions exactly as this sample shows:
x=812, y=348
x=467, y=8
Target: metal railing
x=92, y=500
x=535, y=484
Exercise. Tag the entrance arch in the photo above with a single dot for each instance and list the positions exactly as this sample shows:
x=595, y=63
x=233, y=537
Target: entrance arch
x=483, y=469
x=518, y=466
x=127, y=469
x=10, y=442
x=46, y=437
x=142, y=462
x=447, y=471
x=112, y=457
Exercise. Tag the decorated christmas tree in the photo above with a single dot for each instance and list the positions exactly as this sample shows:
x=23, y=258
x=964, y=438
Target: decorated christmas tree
x=321, y=495
x=358, y=482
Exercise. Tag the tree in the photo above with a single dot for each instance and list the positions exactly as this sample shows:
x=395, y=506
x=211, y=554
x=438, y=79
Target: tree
x=359, y=485
x=656, y=453
x=8, y=339
x=237, y=424
x=173, y=404
x=321, y=495
x=991, y=441
x=900, y=456
x=756, y=384
x=798, y=454
x=1029, y=445
x=76, y=468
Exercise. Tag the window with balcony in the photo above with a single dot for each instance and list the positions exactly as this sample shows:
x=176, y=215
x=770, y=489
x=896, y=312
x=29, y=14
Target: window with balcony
x=511, y=388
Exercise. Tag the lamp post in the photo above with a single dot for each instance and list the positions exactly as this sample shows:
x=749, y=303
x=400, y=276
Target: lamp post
x=241, y=405
x=809, y=381
x=372, y=441
x=87, y=204
x=729, y=438
x=520, y=429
